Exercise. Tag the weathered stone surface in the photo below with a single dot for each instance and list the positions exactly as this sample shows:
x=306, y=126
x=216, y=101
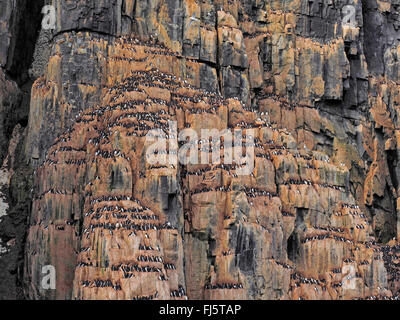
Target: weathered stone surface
x=253, y=233
x=322, y=201
x=19, y=21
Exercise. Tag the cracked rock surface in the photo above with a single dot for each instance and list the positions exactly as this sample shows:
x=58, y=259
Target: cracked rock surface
x=316, y=218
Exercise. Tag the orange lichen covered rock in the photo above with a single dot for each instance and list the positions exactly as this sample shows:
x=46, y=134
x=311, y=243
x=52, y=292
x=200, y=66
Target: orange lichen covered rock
x=313, y=217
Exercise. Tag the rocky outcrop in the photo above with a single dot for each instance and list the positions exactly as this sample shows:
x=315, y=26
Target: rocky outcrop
x=317, y=217
x=19, y=21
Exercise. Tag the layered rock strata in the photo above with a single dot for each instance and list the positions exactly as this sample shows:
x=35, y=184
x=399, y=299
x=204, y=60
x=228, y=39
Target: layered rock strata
x=121, y=228
x=317, y=82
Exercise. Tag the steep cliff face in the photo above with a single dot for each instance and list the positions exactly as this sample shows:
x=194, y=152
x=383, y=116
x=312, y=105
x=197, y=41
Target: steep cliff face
x=19, y=23
x=317, y=217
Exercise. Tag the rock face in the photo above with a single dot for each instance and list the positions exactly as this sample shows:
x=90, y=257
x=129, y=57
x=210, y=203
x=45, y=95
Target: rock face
x=19, y=21
x=316, y=86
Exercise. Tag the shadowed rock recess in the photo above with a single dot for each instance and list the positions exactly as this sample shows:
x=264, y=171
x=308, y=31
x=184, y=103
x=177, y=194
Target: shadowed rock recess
x=317, y=218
